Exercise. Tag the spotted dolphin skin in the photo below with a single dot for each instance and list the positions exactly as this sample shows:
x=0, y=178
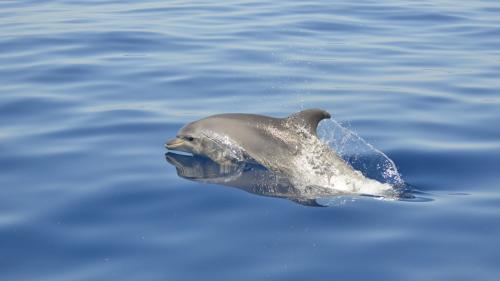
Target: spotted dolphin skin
x=287, y=145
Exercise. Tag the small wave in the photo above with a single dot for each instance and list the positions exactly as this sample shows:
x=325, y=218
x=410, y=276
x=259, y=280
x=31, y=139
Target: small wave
x=318, y=163
x=361, y=155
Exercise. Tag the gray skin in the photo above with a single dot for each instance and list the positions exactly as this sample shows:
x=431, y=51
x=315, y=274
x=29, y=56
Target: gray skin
x=254, y=134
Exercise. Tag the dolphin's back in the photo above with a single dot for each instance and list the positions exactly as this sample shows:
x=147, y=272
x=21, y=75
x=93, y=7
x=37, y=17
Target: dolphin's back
x=246, y=118
x=307, y=119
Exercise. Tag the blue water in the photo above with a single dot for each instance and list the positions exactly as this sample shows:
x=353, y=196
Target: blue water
x=90, y=91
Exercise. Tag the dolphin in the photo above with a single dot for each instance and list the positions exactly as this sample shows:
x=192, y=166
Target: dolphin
x=287, y=145
x=255, y=135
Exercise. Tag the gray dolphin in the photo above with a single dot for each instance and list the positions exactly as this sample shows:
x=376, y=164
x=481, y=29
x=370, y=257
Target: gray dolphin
x=256, y=135
x=287, y=145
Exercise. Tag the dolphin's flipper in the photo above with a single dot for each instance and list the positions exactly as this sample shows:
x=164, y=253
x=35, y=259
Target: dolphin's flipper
x=309, y=118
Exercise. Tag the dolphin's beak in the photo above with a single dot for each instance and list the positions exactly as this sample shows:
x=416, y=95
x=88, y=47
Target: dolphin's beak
x=173, y=144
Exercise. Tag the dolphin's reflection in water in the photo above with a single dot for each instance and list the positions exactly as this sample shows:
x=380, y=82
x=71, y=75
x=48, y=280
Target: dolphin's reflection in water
x=256, y=179
x=249, y=177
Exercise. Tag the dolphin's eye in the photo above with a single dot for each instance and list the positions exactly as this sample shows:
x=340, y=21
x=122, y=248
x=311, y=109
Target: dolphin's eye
x=189, y=138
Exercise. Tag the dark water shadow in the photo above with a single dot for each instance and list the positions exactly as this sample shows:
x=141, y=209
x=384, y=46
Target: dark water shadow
x=410, y=193
x=256, y=179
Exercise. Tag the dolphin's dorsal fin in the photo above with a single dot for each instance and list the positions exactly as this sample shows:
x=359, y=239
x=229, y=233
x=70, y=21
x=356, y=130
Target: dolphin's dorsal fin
x=309, y=118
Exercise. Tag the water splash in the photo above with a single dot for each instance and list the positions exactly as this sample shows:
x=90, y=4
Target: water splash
x=223, y=147
x=315, y=164
x=361, y=155
x=318, y=165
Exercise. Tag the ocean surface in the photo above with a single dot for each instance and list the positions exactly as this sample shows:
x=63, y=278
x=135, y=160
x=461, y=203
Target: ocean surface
x=91, y=90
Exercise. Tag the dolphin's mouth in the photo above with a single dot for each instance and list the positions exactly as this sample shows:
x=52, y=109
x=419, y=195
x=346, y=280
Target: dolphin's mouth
x=175, y=143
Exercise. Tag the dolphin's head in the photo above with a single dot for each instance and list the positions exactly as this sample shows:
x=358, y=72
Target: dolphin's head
x=207, y=137
x=195, y=138
x=188, y=139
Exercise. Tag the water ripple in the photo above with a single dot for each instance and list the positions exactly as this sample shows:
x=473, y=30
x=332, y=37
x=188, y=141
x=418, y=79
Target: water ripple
x=90, y=91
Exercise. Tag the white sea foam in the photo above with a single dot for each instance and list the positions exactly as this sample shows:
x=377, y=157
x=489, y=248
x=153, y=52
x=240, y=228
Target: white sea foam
x=318, y=164
x=225, y=146
x=360, y=154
